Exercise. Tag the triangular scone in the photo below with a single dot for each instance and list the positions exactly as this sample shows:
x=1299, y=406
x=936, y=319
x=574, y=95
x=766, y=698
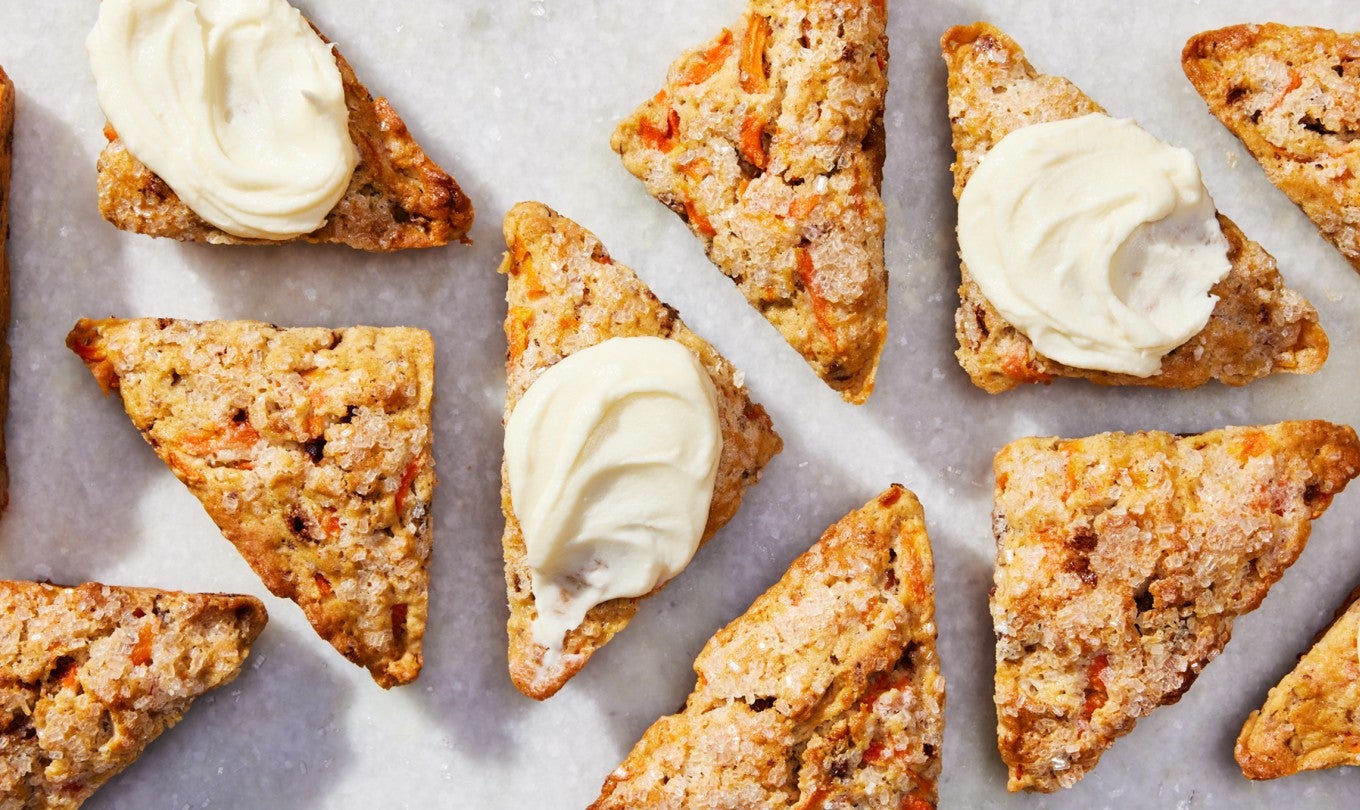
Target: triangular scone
x=769, y=142
x=310, y=449
x=6, y=160
x=1292, y=94
x=1258, y=327
x=1309, y=718
x=89, y=676
x=565, y=294
x=826, y=693
x=398, y=198
x=1122, y=561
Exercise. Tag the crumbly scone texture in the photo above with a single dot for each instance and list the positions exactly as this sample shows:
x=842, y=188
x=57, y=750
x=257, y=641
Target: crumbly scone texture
x=6, y=161
x=566, y=294
x=1292, y=95
x=398, y=198
x=89, y=676
x=1258, y=327
x=1309, y=718
x=1122, y=561
x=825, y=693
x=768, y=141
x=310, y=449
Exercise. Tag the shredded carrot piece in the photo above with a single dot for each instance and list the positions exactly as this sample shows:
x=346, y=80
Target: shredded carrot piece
x=709, y=62
x=231, y=436
x=141, y=652
x=808, y=274
x=752, y=141
x=323, y=585
x=662, y=140
x=110, y=134
x=696, y=169
x=517, y=331
x=1095, y=675
x=803, y=206
x=407, y=477
x=699, y=221
x=1253, y=445
x=752, y=64
x=332, y=525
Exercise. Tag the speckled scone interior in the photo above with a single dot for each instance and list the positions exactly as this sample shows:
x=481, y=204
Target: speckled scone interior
x=1309, y=719
x=825, y=693
x=1292, y=94
x=768, y=141
x=566, y=294
x=309, y=448
x=6, y=161
x=1122, y=561
x=1258, y=327
x=398, y=198
x=89, y=676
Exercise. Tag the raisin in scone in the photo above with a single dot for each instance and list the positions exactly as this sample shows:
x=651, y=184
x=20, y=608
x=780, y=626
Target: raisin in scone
x=1122, y=562
x=311, y=449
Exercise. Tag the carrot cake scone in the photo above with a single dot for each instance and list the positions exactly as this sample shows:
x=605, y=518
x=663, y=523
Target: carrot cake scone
x=629, y=442
x=1292, y=94
x=768, y=141
x=825, y=693
x=239, y=123
x=309, y=448
x=89, y=676
x=1122, y=561
x=1170, y=300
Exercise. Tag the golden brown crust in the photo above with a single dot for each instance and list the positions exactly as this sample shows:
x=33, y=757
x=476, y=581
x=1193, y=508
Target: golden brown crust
x=565, y=294
x=1122, y=561
x=311, y=451
x=825, y=693
x=89, y=676
x=1309, y=718
x=397, y=199
x=1259, y=326
x=769, y=142
x=6, y=161
x=1292, y=95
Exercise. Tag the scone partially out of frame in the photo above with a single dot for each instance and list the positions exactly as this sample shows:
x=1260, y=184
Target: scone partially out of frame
x=825, y=693
x=566, y=294
x=6, y=161
x=1309, y=718
x=89, y=676
x=309, y=448
x=1258, y=327
x=1122, y=561
x=1292, y=94
x=398, y=197
x=768, y=141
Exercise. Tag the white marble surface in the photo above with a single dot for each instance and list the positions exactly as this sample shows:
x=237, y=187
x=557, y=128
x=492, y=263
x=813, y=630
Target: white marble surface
x=517, y=99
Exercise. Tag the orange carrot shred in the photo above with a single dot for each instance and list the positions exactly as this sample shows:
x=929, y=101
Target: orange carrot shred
x=699, y=221
x=752, y=141
x=709, y=62
x=808, y=274
x=141, y=652
x=753, y=78
x=407, y=477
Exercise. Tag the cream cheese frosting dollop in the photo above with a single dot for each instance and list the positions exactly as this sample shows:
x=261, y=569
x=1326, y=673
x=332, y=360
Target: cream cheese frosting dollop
x=1096, y=240
x=611, y=456
x=237, y=105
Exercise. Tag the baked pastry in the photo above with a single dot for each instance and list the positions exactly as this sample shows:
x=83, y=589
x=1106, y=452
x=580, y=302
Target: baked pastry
x=825, y=693
x=768, y=141
x=398, y=197
x=1292, y=94
x=6, y=159
x=1258, y=326
x=1122, y=561
x=1308, y=720
x=311, y=451
x=566, y=294
x=91, y=675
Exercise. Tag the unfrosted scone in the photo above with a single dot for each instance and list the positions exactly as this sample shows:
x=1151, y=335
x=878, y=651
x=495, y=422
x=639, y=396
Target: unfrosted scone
x=1258, y=327
x=6, y=161
x=89, y=676
x=1309, y=719
x=825, y=693
x=1122, y=561
x=1292, y=94
x=310, y=449
x=566, y=294
x=768, y=141
x=398, y=197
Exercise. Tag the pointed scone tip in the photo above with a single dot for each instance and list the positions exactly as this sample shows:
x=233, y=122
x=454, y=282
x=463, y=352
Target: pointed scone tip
x=397, y=199
x=311, y=449
x=1122, y=562
x=566, y=294
x=93, y=674
x=1308, y=720
x=1258, y=327
x=768, y=141
x=1292, y=95
x=825, y=693
x=6, y=161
